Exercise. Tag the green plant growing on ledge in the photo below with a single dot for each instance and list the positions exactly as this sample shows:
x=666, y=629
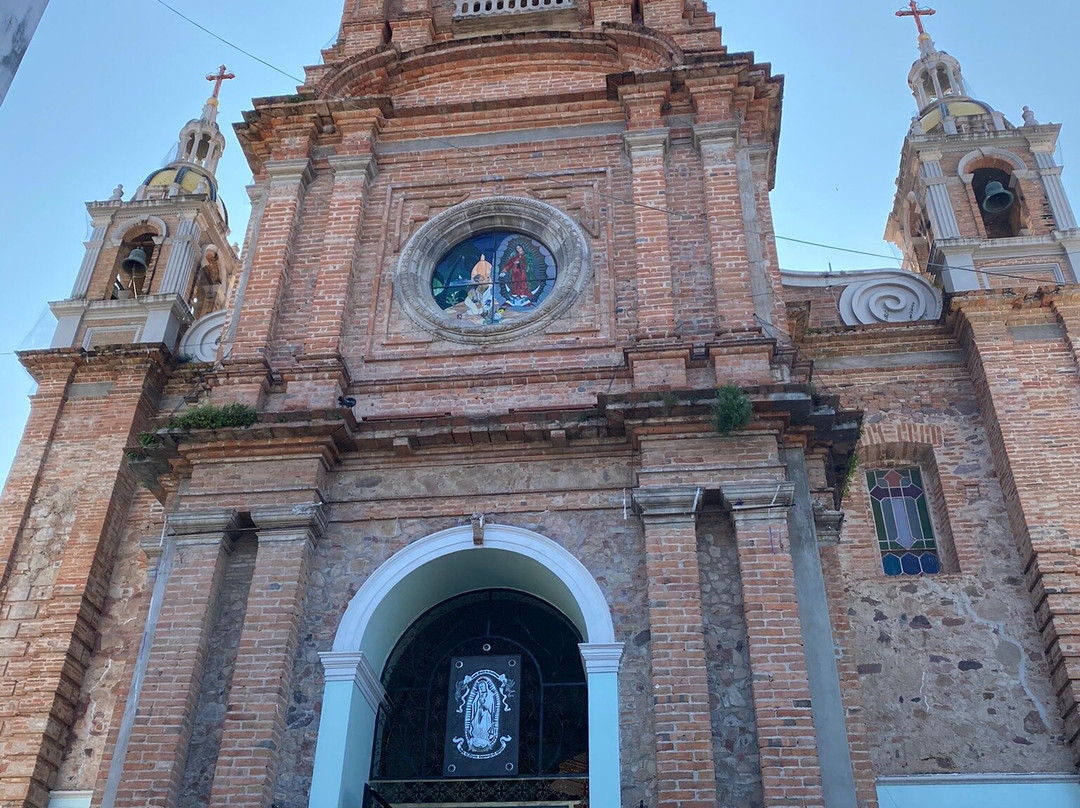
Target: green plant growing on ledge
x=731, y=410
x=212, y=416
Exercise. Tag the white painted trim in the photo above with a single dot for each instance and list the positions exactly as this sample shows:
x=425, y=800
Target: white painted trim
x=70, y=799
x=988, y=151
x=974, y=779
x=355, y=668
x=580, y=585
x=418, y=577
x=128, y=225
x=601, y=657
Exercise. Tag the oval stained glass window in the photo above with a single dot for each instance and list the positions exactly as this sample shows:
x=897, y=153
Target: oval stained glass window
x=493, y=277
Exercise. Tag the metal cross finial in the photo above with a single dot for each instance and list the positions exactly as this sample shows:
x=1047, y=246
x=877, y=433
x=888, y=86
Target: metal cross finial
x=918, y=14
x=219, y=77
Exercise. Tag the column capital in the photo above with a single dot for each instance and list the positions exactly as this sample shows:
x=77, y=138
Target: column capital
x=758, y=499
x=601, y=657
x=715, y=134
x=285, y=172
x=646, y=143
x=204, y=526
x=668, y=503
x=355, y=167
x=353, y=666
x=304, y=521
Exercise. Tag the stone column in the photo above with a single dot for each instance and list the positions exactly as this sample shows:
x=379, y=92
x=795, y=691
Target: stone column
x=938, y=203
x=352, y=694
x=728, y=191
x=1050, y=171
x=652, y=253
x=685, y=765
x=158, y=749
x=787, y=742
x=602, y=677
x=89, y=262
x=183, y=256
x=248, y=759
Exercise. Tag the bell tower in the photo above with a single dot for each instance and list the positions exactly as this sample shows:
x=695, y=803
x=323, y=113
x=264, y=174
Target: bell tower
x=160, y=260
x=979, y=200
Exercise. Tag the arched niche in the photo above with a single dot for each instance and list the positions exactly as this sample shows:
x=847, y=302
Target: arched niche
x=417, y=578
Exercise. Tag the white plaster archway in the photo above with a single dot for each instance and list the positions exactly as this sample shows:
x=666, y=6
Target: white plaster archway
x=988, y=151
x=422, y=575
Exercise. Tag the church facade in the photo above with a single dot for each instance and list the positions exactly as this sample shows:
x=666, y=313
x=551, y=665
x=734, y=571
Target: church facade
x=504, y=467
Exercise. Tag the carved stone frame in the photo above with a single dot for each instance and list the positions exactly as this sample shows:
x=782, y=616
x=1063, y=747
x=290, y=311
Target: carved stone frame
x=554, y=229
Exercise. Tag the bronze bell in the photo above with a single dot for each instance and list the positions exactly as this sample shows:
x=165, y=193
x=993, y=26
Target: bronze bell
x=135, y=263
x=997, y=198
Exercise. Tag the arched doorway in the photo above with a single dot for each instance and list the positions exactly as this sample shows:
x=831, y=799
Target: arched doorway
x=434, y=740
x=418, y=578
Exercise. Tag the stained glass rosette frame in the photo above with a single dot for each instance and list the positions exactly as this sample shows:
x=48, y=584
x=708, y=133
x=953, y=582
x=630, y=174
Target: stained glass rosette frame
x=493, y=277
x=905, y=533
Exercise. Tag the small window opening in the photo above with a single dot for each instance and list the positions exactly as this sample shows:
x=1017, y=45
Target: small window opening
x=928, y=88
x=902, y=520
x=999, y=204
x=636, y=14
x=204, y=147
x=945, y=82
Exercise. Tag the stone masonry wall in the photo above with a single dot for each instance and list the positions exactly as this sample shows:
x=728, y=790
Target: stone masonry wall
x=577, y=502
x=952, y=675
x=735, y=742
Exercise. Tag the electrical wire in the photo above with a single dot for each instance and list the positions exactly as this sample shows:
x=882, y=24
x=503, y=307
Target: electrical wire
x=480, y=157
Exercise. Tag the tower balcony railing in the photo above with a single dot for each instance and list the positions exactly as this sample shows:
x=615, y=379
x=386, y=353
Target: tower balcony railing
x=464, y=9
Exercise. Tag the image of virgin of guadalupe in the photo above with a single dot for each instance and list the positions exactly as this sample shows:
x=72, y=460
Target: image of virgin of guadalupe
x=522, y=275
x=482, y=730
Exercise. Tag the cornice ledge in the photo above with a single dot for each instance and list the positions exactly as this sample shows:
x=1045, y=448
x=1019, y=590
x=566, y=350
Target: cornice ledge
x=643, y=142
x=827, y=523
x=767, y=496
x=715, y=134
x=297, y=170
x=305, y=521
x=668, y=501
x=205, y=526
x=355, y=166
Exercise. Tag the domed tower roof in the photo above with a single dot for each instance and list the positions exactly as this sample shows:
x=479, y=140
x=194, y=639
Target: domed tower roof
x=200, y=147
x=937, y=82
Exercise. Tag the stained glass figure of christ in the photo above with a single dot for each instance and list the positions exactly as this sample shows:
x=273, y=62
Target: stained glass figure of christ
x=493, y=277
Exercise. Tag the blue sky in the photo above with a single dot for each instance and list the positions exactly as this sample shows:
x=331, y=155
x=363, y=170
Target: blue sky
x=106, y=86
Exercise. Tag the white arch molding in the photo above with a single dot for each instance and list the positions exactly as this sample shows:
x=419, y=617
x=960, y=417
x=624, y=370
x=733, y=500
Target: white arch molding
x=422, y=575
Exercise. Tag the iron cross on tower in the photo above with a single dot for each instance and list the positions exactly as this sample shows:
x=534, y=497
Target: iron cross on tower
x=222, y=75
x=918, y=14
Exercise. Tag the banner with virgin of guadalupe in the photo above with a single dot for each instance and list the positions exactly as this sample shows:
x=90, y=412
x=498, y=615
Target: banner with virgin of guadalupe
x=482, y=717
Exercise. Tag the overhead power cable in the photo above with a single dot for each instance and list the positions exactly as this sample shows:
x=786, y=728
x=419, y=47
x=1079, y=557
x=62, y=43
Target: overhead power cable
x=481, y=157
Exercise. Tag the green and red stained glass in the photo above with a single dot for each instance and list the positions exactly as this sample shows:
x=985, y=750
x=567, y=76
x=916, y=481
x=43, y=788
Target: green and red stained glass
x=902, y=518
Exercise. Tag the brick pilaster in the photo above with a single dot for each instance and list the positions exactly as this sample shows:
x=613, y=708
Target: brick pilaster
x=158, y=749
x=247, y=763
x=685, y=766
x=738, y=286
x=271, y=264
x=790, y=772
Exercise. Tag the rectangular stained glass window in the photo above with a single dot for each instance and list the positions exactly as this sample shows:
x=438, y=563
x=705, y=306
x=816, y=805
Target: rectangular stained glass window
x=902, y=519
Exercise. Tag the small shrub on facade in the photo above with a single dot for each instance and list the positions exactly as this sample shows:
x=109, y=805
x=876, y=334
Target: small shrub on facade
x=211, y=416
x=731, y=410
